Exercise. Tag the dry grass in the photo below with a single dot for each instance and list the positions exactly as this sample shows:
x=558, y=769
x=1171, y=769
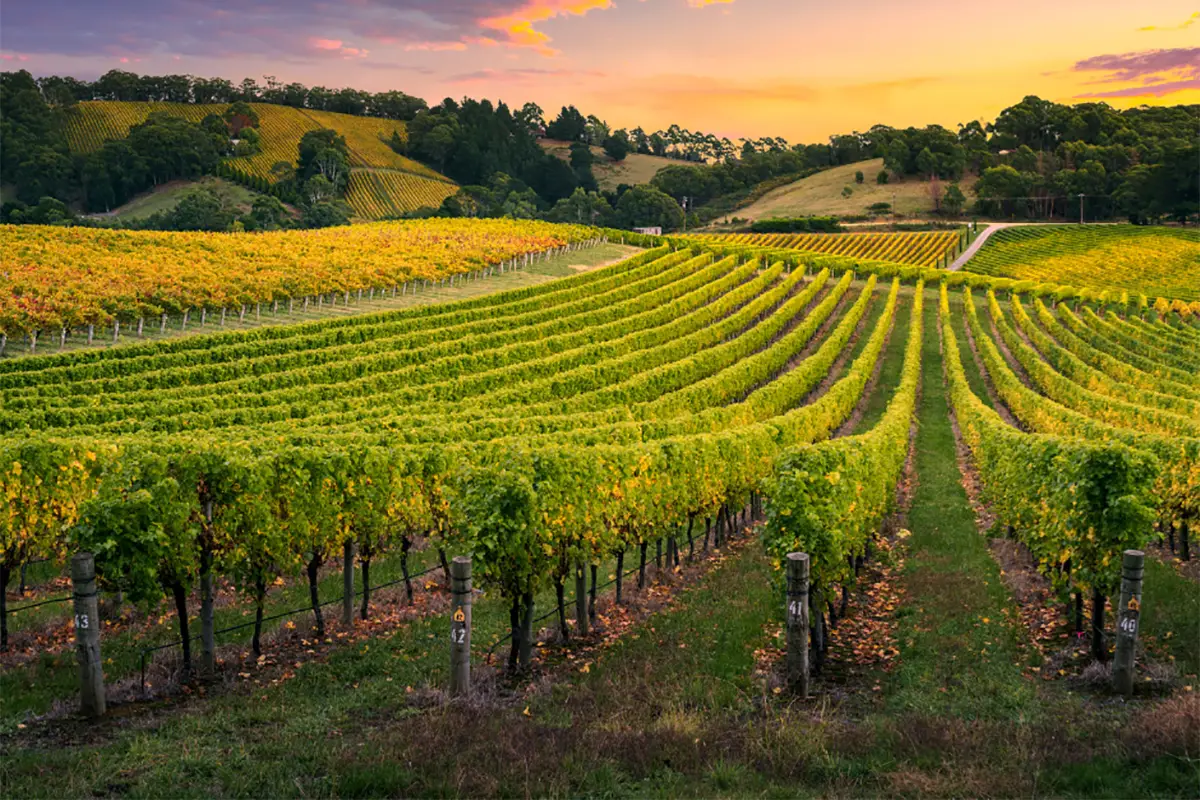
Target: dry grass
x=634, y=170
x=822, y=194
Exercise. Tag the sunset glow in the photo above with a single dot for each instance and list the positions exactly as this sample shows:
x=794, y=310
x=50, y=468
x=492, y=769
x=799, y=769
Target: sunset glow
x=733, y=67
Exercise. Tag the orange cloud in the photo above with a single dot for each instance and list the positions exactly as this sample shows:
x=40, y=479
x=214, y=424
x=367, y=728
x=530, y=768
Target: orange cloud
x=325, y=44
x=517, y=25
x=1187, y=23
x=703, y=3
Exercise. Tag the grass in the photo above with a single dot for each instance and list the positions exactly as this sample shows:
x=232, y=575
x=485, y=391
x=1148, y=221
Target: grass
x=166, y=196
x=821, y=194
x=960, y=647
x=634, y=170
x=893, y=362
x=557, y=266
x=34, y=687
x=362, y=707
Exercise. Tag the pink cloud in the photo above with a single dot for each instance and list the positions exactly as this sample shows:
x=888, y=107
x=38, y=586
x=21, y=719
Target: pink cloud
x=1152, y=90
x=13, y=57
x=1130, y=66
x=336, y=47
x=1157, y=72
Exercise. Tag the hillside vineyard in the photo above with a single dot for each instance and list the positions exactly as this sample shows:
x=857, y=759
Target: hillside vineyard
x=563, y=424
x=383, y=183
x=573, y=419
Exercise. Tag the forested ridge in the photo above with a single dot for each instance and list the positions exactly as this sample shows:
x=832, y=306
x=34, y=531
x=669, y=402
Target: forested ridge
x=1037, y=159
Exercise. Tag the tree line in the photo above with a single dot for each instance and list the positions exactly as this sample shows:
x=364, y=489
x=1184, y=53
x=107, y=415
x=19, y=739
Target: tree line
x=1033, y=161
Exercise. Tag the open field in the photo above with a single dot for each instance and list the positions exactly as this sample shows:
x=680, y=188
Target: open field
x=1156, y=262
x=670, y=427
x=821, y=194
x=634, y=170
x=166, y=196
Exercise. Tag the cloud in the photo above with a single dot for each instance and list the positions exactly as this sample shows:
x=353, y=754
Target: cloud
x=705, y=3
x=1187, y=23
x=1129, y=66
x=1153, y=90
x=279, y=29
x=336, y=47
x=516, y=27
x=493, y=76
x=1156, y=72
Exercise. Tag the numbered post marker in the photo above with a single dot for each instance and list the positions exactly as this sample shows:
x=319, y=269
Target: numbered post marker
x=797, y=622
x=87, y=636
x=460, y=626
x=1129, y=613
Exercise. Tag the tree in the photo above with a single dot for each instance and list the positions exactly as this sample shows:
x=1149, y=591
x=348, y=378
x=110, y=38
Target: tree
x=249, y=144
x=324, y=153
x=927, y=165
x=617, y=147
x=997, y=186
x=240, y=115
x=532, y=118
x=319, y=189
x=582, y=208
x=647, y=207
x=44, y=172
x=326, y=214
x=954, y=200
x=172, y=147
x=882, y=177
x=199, y=210
x=215, y=125
x=597, y=130
x=570, y=126
x=266, y=214
x=581, y=156
x=858, y=177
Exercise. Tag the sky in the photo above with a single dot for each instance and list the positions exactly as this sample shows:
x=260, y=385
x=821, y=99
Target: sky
x=798, y=69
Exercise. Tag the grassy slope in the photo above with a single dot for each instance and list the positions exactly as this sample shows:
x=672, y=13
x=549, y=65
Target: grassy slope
x=822, y=194
x=166, y=196
x=635, y=169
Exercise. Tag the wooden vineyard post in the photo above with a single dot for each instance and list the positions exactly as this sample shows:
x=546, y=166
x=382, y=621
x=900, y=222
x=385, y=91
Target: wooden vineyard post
x=797, y=622
x=348, y=583
x=1129, y=613
x=460, y=626
x=581, y=614
x=87, y=635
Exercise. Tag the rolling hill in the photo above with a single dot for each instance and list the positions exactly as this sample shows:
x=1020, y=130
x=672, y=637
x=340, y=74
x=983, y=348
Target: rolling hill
x=822, y=194
x=635, y=169
x=407, y=183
